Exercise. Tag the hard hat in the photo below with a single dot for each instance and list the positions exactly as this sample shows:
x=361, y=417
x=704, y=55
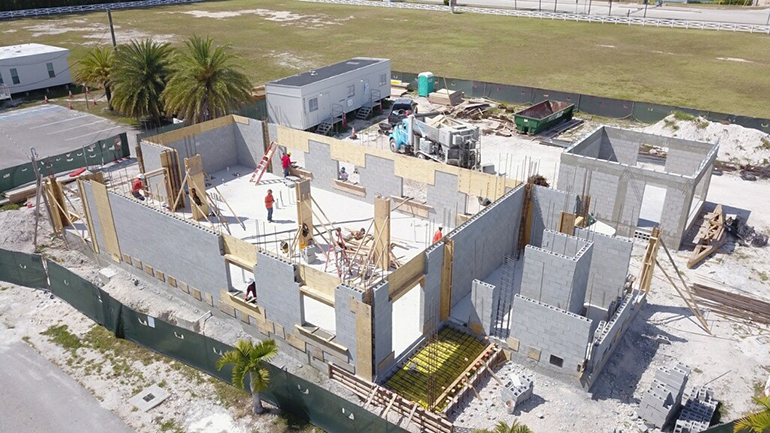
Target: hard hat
x=288, y=153
x=140, y=176
x=251, y=280
x=342, y=169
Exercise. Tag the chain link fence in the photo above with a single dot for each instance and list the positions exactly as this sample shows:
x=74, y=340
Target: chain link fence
x=599, y=106
x=290, y=393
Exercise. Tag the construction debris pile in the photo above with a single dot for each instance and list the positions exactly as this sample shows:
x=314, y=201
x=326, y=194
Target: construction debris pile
x=745, y=233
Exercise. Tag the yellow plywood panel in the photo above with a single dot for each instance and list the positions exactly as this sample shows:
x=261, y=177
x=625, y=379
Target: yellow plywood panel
x=446, y=281
x=406, y=276
x=87, y=212
x=245, y=252
x=190, y=131
x=363, y=341
x=319, y=281
x=348, y=152
x=415, y=169
x=196, y=181
x=104, y=210
x=295, y=341
x=294, y=138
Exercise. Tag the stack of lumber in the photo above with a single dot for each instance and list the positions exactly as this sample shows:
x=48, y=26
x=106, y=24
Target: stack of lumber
x=446, y=97
x=731, y=304
x=398, y=88
x=710, y=238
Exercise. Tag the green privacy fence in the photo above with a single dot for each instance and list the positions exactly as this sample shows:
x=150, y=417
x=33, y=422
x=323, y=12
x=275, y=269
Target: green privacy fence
x=596, y=105
x=292, y=394
x=99, y=153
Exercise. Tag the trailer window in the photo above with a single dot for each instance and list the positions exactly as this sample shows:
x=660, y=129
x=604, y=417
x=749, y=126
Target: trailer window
x=51, y=73
x=312, y=105
x=15, y=76
x=351, y=90
x=383, y=79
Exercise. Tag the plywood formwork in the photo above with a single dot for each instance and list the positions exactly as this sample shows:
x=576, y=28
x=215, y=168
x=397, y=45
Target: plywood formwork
x=196, y=183
x=104, y=210
x=363, y=339
x=304, y=214
x=406, y=277
x=382, y=230
x=446, y=281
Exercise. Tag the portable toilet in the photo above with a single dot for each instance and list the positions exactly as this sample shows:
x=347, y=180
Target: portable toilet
x=425, y=83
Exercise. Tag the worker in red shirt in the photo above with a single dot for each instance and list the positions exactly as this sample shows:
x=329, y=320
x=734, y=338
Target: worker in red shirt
x=269, y=200
x=437, y=237
x=286, y=163
x=137, y=185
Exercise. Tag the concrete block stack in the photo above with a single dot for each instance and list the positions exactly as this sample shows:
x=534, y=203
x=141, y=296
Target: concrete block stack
x=697, y=412
x=516, y=390
x=663, y=398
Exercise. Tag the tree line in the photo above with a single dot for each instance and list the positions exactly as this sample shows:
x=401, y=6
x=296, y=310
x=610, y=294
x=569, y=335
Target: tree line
x=148, y=80
x=15, y=5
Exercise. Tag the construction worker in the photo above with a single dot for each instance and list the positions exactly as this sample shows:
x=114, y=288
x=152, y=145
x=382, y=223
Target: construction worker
x=269, y=200
x=343, y=174
x=137, y=185
x=286, y=163
x=251, y=289
x=437, y=237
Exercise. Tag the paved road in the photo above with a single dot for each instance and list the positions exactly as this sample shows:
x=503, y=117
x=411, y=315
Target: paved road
x=36, y=396
x=669, y=11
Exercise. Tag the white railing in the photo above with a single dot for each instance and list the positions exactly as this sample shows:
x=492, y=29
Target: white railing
x=564, y=16
x=5, y=15
x=5, y=92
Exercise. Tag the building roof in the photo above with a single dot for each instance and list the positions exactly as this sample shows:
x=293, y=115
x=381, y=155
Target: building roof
x=320, y=74
x=26, y=50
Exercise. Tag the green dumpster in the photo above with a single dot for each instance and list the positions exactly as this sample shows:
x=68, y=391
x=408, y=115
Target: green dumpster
x=425, y=83
x=539, y=117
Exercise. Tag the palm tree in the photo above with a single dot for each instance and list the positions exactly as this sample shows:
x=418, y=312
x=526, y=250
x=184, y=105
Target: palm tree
x=502, y=427
x=139, y=74
x=758, y=422
x=95, y=69
x=205, y=82
x=249, y=359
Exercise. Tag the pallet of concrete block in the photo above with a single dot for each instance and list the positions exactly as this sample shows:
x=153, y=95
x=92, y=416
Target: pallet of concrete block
x=446, y=97
x=663, y=399
x=516, y=390
x=697, y=412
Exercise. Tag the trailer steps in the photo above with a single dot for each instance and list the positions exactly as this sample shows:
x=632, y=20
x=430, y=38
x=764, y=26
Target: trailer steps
x=364, y=112
x=324, y=127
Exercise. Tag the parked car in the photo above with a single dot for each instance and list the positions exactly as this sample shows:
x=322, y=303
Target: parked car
x=401, y=109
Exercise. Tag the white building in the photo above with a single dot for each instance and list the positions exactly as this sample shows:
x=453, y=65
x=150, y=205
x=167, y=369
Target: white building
x=320, y=97
x=29, y=67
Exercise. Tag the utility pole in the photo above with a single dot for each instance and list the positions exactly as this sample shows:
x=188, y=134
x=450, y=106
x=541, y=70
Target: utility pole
x=112, y=29
x=589, y=7
x=539, y=5
x=610, y=11
x=85, y=86
x=555, y=4
x=645, y=7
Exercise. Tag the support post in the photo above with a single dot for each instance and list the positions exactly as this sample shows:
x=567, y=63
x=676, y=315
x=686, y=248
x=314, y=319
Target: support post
x=382, y=228
x=304, y=214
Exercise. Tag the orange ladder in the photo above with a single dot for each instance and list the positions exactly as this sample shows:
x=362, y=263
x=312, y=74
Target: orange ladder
x=263, y=163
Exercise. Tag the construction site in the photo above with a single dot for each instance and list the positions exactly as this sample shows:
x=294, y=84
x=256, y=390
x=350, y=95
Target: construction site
x=440, y=276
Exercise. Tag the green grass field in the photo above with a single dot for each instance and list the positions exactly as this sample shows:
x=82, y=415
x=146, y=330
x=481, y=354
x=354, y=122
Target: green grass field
x=726, y=72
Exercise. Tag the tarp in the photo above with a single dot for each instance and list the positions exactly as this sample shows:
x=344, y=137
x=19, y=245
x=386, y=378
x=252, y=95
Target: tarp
x=23, y=269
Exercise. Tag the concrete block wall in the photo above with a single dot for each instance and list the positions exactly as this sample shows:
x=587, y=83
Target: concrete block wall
x=319, y=162
x=249, y=142
x=609, y=266
x=151, y=160
x=443, y=196
x=564, y=244
x=278, y=290
x=550, y=331
x=382, y=326
x=556, y=279
x=628, y=214
x=605, y=338
x=345, y=319
x=484, y=299
x=430, y=293
x=620, y=147
x=604, y=192
x=549, y=204
x=378, y=177
x=217, y=148
x=673, y=220
x=481, y=242
x=681, y=161
x=172, y=245
x=590, y=145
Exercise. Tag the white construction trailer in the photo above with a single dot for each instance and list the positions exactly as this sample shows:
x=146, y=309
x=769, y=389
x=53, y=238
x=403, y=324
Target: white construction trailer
x=321, y=97
x=28, y=67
